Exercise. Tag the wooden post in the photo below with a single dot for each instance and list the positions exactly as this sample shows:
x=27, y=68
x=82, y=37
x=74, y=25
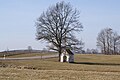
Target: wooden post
x=4, y=56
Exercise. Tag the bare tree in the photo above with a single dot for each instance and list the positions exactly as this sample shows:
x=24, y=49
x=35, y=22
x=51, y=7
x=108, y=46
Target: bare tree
x=116, y=43
x=108, y=41
x=29, y=48
x=109, y=32
x=57, y=26
x=94, y=51
x=101, y=41
x=88, y=51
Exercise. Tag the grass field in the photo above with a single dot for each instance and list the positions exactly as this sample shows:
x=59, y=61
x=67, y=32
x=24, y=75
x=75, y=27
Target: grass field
x=86, y=67
x=27, y=55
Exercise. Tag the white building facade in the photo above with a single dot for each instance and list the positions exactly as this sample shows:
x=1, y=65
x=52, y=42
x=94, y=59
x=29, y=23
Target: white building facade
x=67, y=56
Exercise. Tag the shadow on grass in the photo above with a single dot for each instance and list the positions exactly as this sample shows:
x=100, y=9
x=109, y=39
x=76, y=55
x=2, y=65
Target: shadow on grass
x=92, y=63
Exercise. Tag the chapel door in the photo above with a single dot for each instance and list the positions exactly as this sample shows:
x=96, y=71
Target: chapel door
x=64, y=58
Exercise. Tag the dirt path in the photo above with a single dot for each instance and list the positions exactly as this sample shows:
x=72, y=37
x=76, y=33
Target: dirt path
x=28, y=58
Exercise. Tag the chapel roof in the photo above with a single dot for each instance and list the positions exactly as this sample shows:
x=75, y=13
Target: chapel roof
x=69, y=51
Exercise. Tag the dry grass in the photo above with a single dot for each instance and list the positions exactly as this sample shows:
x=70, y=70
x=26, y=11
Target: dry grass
x=26, y=74
x=87, y=67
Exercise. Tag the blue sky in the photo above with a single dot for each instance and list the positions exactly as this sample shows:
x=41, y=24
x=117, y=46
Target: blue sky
x=17, y=21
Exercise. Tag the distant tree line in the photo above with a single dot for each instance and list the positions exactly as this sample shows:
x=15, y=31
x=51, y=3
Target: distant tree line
x=108, y=41
x=91, y=51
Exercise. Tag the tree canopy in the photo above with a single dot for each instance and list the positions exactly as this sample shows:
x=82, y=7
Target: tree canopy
x=57, y=26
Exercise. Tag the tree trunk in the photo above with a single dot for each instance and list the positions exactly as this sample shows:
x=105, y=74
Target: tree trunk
x=60, y=51
x=59, y=54
x=104, y=51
